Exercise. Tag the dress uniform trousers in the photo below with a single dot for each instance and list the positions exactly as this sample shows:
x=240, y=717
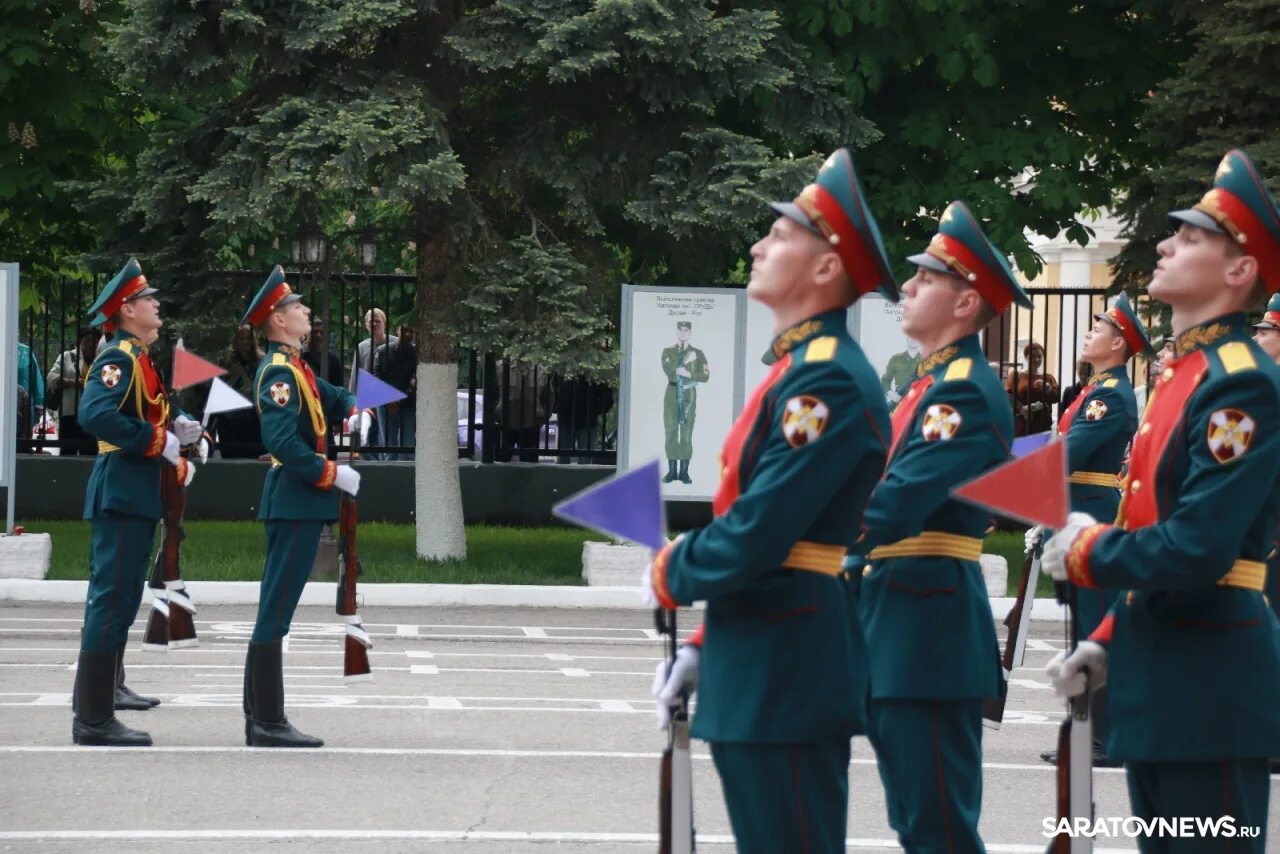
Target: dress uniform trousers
x=120, y=550
x=786, y=797
x=1239, y=788
x=291, y=552
x=933, y=786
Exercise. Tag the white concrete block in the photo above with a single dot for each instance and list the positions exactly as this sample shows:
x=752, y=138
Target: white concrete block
x=25, y=555
x=609, y=565
x=995, y=572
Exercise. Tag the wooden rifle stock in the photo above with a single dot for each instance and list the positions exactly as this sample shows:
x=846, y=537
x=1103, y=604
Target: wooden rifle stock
x=1074, y=775
x=355, y=657
x=171, y=624
x=1015, y=639
x=675, y=777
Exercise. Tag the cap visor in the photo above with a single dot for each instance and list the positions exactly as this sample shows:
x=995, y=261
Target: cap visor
x=290, y=298
x=1265, y=324
x=1199, y=219
x=792, y=211
x=924, y=259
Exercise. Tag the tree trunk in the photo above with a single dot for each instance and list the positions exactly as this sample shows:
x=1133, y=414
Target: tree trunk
x=438, y=492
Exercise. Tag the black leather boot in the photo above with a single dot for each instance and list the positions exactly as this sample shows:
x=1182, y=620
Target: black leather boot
x=95, y=721
x=126, y=698
x=671, y=472
x=268, y=727
x=684, y=472
x=247, y=702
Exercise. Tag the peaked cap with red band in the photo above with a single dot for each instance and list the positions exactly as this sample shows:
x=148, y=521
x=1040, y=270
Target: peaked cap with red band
x=128, y=284
x=1240, y=206
x=962, y=249
x=1124, y=318
x=1270, y=320
x=835, y=208
x=275, y=293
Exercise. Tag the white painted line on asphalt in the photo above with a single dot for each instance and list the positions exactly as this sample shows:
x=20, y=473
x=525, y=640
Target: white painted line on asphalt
x=406, y=631
x=576, y=672
x=419, y=653
x=535, y=836
x=424, y=670
x=559, y=656
x=530, y=632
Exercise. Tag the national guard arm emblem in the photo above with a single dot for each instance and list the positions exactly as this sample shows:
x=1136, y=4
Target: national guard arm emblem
x=804, y=419
x=280, y=393
x=941, y=423
x=1230, y=434
x=1095, y=410
x=110, y=376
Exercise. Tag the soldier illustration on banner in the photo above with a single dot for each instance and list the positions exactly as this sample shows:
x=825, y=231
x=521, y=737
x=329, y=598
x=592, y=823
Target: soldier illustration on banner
x=685, y=366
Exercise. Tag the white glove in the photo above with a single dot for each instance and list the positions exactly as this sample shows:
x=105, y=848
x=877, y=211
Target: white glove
x=892, y=396
x=188, y=431
x=191, y=474
x=1032, y=538
x=1037, y=406
x=172, y=448
x=361, y=422
x=683, y=679
x=683, y=372
x=1053, y=559
x=648, y=598
x=1084, y=669
x=348, y=480
x=202, y=450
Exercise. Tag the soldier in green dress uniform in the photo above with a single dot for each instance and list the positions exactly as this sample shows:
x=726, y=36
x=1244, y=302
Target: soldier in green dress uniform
x=685, y=367
x=1267, y=334
x=1190, y=650
x=900, y=373
x=300, y=495
x=125, y=407
x=923, y=605
x=784, y=681
x=1097, y=427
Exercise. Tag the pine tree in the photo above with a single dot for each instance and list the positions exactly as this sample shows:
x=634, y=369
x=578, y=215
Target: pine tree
x=519, y=143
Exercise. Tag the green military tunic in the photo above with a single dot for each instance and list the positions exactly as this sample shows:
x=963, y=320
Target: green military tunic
x=1098, y=427
x=783, y=677
x=1194, y=651
x=125, y=407
x=295, y=408
x=924, y=605
x=680, y=401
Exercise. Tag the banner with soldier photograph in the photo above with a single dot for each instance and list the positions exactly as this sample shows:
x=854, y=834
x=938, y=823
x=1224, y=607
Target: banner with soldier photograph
x=682, y=382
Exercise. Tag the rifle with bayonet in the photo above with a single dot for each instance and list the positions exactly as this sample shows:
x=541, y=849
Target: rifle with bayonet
x=1017, y=623
x=1074, y=775
x=171, y=624
x=675, y=781
x=355, y=658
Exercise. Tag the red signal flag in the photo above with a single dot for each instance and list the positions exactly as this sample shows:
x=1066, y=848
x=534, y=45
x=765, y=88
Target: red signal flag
x=1032, y=489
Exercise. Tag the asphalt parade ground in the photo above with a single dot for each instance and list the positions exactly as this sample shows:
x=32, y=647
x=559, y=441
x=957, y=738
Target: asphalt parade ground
x=485, y=729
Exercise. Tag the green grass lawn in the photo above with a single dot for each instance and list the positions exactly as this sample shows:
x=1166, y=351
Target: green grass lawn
x=233, y=551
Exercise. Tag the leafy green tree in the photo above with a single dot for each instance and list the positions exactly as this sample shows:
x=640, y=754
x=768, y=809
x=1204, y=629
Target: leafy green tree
x=62, y=119
x=1223, y=96
x=519, y=144
x=1027, y=109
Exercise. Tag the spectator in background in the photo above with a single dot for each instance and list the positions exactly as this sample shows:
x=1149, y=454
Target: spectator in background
x=323, y=361
x=65, y=384
x=580, y=407
x=523, y=403
x=1155, y=367
x=375, y=320
x=239, y=435
x=1083, y=371
x=396, y=362
x=31, y=380
x=1033, y=393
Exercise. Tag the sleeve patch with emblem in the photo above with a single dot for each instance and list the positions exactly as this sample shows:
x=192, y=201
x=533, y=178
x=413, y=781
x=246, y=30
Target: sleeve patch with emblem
x=280, y=393
x=110, y=375
x=1095, y=410
x=1230, y=434
x=941, y=423
x=803, y=420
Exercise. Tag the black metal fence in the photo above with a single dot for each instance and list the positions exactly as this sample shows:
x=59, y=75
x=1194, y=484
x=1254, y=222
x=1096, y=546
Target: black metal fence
x=504, y=412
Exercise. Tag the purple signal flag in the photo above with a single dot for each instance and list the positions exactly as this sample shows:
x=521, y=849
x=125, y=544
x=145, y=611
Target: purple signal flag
x=1026, y=444
x=627, y=506
x=372, y=392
